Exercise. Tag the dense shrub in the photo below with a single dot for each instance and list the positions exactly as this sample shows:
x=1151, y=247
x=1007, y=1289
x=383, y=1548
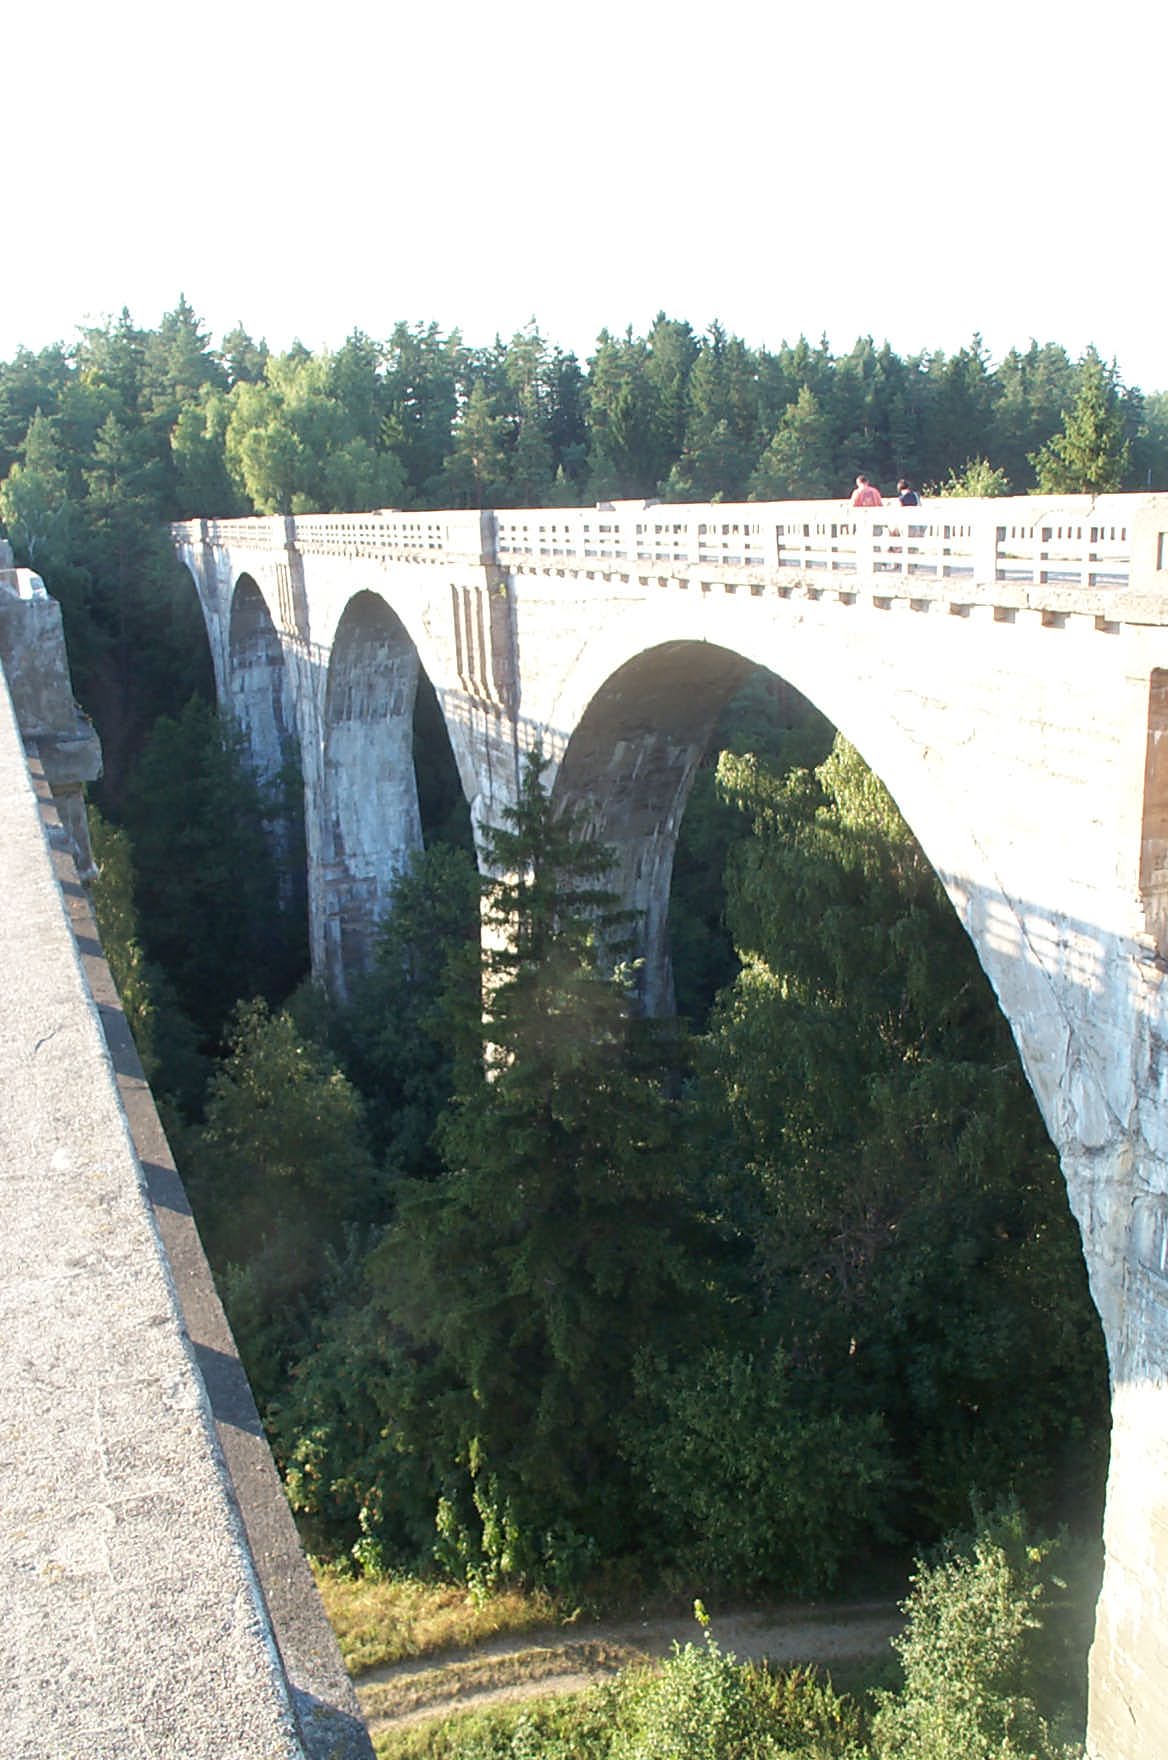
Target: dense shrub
x=705, y=1705
x=973, y=1653
x=747, y=1485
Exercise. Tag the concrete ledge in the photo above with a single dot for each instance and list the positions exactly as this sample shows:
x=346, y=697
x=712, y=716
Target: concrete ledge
x=132, y=1620
x=325, y=1703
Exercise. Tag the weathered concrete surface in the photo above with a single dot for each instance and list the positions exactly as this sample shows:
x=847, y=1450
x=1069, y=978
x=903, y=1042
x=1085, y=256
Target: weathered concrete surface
x=328, y=1716
x=33, y=658
x=1002, y=666
x=131, y=1621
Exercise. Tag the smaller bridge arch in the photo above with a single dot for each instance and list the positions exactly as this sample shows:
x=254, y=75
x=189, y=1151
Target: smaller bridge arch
x=259, y=692
x=627, y=771
x=372, y=820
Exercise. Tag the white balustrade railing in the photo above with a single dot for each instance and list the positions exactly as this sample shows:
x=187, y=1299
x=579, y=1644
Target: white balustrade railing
x=1076, y=541
x=1023, y=541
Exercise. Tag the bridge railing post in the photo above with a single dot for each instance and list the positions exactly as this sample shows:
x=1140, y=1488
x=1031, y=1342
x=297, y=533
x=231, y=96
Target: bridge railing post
x=863, y=526
x=1148, y=544
x=985, y=544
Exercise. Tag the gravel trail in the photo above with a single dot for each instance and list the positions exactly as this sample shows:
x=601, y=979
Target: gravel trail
x=566, y=1659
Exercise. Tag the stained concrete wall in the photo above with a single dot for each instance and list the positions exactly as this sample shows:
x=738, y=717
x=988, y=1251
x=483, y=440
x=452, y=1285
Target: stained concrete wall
x=995, y=665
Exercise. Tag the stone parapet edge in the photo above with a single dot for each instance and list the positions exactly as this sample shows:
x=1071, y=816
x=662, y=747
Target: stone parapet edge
x=321, y=1693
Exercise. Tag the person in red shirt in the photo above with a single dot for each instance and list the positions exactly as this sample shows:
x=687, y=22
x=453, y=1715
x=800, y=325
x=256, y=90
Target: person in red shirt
x=864, y=495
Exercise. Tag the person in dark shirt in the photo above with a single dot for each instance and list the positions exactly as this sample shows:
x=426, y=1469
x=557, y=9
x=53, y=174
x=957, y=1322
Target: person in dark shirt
x=906, y=494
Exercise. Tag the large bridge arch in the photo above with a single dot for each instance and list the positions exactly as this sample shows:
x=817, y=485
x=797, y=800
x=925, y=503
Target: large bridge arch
x=637, y=720
x=1053, y=972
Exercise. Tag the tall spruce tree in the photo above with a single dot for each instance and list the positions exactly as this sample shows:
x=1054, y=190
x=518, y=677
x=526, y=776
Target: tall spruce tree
x=556, y=1245
x=1089, y=456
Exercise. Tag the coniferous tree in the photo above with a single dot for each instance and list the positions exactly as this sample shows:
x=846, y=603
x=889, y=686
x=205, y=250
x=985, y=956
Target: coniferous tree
x=551, y=1250
x=28, y=383
x=798, y=463
x=476, y=465
x=1090, y=455
x=904, y=1209
x=207, y=884
x=243, y=359
x=623, y=455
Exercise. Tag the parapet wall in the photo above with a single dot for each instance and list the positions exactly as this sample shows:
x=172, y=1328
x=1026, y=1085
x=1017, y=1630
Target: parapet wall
x=33, y=657
x=153, y=1596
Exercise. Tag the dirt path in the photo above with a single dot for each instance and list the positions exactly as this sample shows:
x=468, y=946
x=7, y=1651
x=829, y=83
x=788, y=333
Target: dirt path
x=565, y=1659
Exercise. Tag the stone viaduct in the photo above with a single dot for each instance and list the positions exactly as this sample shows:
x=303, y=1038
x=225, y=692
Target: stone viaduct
x=1003, y=666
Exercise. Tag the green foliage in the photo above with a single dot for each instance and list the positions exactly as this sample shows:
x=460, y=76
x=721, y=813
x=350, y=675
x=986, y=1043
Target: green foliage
x=971, y=1652
x=882, y=1157
x=421, y=400
x=397, y=1033
x=310, y=438
x=165, y=1038
x=701, y=1708
x=283, y=1124
x=624, y=453
x=34, y=497
x=551, y=1249
x=1090, y=455
x=977, y=477
x=112, y=894
x=476, y=464
x=765, y=717
x=742, y=1483
x=212, y=908
x=705, y=1705
x=723, y=431
x=278, y=1172
x=573, y=1727
x=798, y=465
x=358, y=1427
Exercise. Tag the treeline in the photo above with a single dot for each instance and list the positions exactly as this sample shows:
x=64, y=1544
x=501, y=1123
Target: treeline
x=425, y=420
x=105, y=440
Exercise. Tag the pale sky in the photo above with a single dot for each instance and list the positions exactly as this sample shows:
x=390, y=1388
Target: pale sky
x=913, y=174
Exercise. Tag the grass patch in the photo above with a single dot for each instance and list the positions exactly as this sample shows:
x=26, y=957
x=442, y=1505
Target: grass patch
x=385, y=1620
x=439, y=1689
x=578, y=1724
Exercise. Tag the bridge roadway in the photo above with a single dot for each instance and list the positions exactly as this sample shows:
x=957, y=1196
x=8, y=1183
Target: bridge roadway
x=1002, y=665
x=154, y=1602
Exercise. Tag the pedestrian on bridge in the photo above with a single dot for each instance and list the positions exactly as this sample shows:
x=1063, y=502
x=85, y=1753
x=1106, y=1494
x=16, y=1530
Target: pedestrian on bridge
x=865, y=494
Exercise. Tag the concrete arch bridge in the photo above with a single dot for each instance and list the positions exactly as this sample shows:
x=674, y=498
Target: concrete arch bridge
x=1002, y=665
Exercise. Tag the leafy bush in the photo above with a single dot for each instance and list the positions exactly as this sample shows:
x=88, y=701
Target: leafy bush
x=972, y=1653
x=503, y=1542
x=700, y=1707
x=747, y=1486
x=352, y=1476
x=705, y=1705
